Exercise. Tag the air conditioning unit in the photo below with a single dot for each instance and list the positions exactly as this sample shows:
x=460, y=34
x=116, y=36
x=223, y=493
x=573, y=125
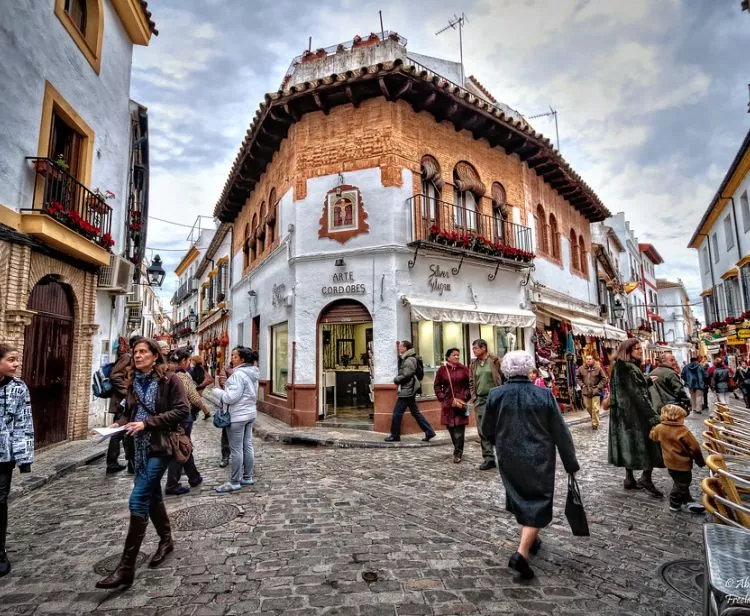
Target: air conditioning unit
x=117, y=277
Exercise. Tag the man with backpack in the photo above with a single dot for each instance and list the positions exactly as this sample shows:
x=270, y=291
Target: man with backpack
x=119, y=379
x=484, y=374
x=410, y=373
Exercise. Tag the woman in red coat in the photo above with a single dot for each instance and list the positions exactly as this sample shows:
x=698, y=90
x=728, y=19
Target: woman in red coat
x=452, y=389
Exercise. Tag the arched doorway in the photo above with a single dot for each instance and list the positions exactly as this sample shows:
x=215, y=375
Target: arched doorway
x=47, y=357
x=345, y=362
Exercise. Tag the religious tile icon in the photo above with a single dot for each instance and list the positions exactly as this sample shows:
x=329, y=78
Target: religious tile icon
x=344, y=215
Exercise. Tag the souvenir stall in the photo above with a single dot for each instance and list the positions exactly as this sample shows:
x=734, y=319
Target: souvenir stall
x=213, y=349
x=561, y=343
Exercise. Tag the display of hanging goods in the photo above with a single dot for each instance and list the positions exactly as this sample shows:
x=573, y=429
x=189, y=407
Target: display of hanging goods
x=225, y=339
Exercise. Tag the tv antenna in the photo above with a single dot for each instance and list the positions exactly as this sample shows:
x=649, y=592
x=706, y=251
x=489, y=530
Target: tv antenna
x=452, y=24
x=553, y=113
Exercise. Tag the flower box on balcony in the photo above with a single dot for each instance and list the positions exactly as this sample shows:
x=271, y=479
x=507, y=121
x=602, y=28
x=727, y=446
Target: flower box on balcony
x=46, y=168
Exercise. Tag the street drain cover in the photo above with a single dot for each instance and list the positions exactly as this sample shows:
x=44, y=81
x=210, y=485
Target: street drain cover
x=107, y=565
x=685, y=577
x=201, y=517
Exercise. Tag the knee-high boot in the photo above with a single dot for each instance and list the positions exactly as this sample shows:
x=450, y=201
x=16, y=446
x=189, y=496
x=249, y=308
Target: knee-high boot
x=158, y=514
x=125, y=572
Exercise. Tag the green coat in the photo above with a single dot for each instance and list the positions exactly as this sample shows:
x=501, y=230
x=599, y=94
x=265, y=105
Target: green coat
x=631, y=417
x=667, y=388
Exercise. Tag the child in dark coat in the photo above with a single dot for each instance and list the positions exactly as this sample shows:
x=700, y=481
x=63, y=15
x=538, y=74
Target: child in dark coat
x=679, y=449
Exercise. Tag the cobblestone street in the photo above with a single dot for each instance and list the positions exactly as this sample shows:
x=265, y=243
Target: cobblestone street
x=433, y=534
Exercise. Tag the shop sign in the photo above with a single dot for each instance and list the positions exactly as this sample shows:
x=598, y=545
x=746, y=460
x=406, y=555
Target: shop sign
x=736, y=342
x=343, y=284
x=743, y=333
x=438, y=279
x=278, y=296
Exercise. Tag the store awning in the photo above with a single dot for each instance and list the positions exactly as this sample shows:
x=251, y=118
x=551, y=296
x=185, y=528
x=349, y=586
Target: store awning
x=582, y=326
x=467, y=313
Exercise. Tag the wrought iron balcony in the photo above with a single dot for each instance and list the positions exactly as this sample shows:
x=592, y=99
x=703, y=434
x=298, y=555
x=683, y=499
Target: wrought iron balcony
x=62, y=197
x=460, y=230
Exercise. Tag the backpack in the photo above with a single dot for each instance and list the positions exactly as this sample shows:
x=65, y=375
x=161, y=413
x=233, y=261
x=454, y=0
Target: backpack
x=101, y=386
x=420, y=369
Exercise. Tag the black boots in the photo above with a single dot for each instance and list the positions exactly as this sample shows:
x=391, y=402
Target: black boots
x=4, y=563
x=645, y=482
x=125, y=572
x=630, y=483
x=163, y=528
x=520, y=564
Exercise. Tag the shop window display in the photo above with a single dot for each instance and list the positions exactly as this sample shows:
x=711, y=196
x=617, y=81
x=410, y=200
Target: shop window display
x=432, y=339
x=279, y=358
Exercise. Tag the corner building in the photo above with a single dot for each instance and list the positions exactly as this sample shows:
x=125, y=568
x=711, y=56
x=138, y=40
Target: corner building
x=375, y=199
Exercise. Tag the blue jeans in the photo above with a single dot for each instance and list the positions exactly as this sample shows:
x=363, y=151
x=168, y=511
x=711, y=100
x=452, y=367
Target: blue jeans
x=398, y=413
x=241, y=446
x=147, y=489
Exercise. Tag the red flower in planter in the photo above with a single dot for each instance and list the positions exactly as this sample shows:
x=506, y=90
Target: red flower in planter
x=106, y=241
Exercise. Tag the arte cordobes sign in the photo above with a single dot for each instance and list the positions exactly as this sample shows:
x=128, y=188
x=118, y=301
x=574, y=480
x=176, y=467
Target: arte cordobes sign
x=743, y=334
x=343, y=284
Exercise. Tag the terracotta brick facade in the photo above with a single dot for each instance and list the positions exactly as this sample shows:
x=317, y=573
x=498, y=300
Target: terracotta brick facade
x=20, y=270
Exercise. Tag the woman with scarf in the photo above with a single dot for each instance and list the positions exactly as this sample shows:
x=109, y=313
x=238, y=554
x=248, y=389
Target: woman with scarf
x=155, y=406
x=631, y=417
x=453, y=390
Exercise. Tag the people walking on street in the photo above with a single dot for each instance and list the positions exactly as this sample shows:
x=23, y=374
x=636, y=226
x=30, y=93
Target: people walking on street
x=119, y=378
x=526, y=427
x=666, y=386
x=179, y=361
x=708, y=368
x=408, y=388
x=720, y=378
x=226, y=372
x=695, y=378
x=631, y=417
x=485, y=374
x=16, y=436
x=679, y=449
x=240, y=394
x=742, y=378
x=453, y=390
x=592, y=380
x=155, y=407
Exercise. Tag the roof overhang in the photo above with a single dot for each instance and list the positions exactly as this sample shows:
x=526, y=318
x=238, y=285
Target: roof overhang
x=651, y=253
x=191, y=256
x=424, y=91
x=736, y=172
x=136, y=19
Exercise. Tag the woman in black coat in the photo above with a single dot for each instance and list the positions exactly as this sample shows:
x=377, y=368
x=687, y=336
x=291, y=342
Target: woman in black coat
x=526, y=426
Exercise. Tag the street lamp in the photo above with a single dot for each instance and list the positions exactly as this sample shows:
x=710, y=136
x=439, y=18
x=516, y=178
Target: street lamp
x=155, y=272
x=193, y=319
x=618, y=309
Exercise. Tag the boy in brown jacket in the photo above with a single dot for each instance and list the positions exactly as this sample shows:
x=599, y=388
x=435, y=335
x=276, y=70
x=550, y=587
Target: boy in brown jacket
x=679, y=449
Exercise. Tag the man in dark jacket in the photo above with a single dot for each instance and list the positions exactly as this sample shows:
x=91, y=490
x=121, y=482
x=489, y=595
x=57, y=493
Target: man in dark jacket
x=695, y=378
x=592, y=381
x=485, y=374
x=119, y=378
x=667, y=388
x=408, y=388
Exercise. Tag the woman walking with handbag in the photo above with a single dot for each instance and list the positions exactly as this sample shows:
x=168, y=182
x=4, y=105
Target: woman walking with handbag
x=453, y=390
x=240, y=394
x=155, y=406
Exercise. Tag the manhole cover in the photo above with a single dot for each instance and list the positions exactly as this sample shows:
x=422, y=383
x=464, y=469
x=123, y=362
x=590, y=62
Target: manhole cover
x=107, y=565
x=202, y=517
x=685, y=577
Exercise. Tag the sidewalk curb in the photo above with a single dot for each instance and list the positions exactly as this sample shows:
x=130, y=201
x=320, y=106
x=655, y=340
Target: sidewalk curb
x=24, y=484
x=296, y=436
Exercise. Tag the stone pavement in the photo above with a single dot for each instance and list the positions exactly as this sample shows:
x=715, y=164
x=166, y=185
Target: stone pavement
x=351, y=531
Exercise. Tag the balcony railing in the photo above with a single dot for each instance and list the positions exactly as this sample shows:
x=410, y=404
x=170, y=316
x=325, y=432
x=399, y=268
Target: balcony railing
x=442, y=223
x=184, y=290
x=60, y=196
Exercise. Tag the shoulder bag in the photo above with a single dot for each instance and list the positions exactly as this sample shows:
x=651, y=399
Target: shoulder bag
x=458, y=405
x=182, y=446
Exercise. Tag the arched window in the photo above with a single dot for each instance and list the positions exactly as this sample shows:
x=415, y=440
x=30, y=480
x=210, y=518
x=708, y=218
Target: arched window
x=583, y=261
x=271, y=219
x=254, y=238
x=246, y=247
x=500, y=214
x=77, y=11
x=467, y=193
x=432, y=187
x=554, y=237
x=541, y=230
x=262, y=228
x=574, y=266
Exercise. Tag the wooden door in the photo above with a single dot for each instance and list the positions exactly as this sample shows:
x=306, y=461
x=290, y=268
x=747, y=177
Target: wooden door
x=255, y=341
x=48, y=351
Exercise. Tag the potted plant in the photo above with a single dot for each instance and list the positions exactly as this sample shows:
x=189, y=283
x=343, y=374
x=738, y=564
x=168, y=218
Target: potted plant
x=51, y=167
x=106, y=241
x=97, y=201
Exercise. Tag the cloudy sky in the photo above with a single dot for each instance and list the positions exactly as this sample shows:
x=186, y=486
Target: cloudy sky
x=652, y=95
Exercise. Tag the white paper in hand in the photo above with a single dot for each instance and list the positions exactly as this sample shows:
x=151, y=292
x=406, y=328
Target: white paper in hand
x=105, y=433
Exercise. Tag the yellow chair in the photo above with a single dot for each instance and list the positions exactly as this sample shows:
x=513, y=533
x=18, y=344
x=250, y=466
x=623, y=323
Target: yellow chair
x=735, y=483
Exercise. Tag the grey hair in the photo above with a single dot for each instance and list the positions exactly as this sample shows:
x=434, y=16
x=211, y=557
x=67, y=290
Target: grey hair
x=517, y=363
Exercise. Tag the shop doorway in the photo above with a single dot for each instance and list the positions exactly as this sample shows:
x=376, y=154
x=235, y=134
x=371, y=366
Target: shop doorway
x=47, y=358
x=345, y=365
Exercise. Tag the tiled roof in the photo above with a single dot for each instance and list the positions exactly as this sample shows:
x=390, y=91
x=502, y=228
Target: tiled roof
x=147, y=13
x=279, y=101
x=667, y=284
x=482, y=89
x=651, y=253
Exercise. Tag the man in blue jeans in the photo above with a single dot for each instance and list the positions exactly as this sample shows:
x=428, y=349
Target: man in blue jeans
x=408, y=388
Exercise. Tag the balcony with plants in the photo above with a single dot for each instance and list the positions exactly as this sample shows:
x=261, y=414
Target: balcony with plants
x=60, y=197
x=465, y=232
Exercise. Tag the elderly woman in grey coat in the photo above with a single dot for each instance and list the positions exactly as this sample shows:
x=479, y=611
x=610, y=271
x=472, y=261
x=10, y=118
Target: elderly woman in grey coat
x=526, y=426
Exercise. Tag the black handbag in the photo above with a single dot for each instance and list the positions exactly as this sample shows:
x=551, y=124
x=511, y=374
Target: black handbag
x=574, y=510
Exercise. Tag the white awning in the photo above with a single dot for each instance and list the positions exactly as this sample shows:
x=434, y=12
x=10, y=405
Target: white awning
x=614, y=333
x=503, y=316
x=580, y=326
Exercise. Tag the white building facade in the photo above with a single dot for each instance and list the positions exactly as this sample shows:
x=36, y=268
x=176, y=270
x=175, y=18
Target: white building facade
x=678, y=318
